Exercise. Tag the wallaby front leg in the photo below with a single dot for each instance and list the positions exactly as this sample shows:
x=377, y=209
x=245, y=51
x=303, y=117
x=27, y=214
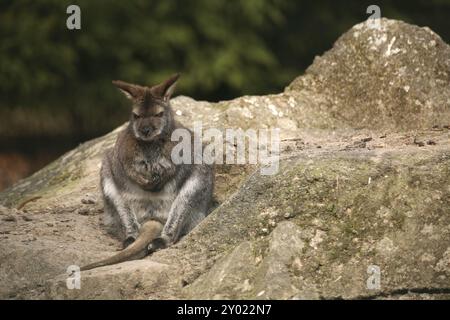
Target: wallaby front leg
x=127, y=218
x=129, y=223
x=173, y=226
x=188, y=209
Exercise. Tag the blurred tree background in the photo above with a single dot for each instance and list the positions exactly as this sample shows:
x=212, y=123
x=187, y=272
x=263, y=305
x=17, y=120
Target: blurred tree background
x=55, y=83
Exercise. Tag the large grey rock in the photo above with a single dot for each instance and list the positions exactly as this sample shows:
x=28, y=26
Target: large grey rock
x=363, y=181
x=347, y=212
x=395, y=76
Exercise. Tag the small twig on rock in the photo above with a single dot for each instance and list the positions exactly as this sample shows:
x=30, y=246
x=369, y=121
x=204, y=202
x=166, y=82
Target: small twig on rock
x=292, y=139
x=22, y=204
x=419, y=143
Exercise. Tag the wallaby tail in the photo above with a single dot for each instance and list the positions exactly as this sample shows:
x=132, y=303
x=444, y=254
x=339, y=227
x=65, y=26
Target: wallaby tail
x=137, y=250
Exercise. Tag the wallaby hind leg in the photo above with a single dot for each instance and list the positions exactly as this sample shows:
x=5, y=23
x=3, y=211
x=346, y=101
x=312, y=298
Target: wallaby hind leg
x=115, y=225
x=111, y=220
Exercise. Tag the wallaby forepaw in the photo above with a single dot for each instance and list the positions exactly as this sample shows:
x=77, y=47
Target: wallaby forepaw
x=128, y=241
x=157, y=244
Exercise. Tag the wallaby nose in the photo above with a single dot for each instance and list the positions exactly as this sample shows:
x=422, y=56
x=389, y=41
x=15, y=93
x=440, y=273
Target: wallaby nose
x=145, y=131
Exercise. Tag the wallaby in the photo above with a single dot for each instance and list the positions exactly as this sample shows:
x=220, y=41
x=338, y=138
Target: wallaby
x=150, y=202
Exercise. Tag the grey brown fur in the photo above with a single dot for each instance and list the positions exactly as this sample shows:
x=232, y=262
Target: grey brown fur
x=139, y=180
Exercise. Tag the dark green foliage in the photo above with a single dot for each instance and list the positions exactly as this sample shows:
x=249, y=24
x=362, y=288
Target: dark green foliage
x=53, y=80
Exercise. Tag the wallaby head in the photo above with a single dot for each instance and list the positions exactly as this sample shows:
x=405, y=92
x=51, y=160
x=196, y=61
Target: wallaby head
x=151, y=116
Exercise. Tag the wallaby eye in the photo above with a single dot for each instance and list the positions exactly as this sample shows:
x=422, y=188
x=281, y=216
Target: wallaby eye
x=159, y=114
x=136, y=116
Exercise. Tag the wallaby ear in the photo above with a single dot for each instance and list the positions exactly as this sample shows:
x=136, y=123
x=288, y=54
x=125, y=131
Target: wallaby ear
x=131, y=91
x=165, y=89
